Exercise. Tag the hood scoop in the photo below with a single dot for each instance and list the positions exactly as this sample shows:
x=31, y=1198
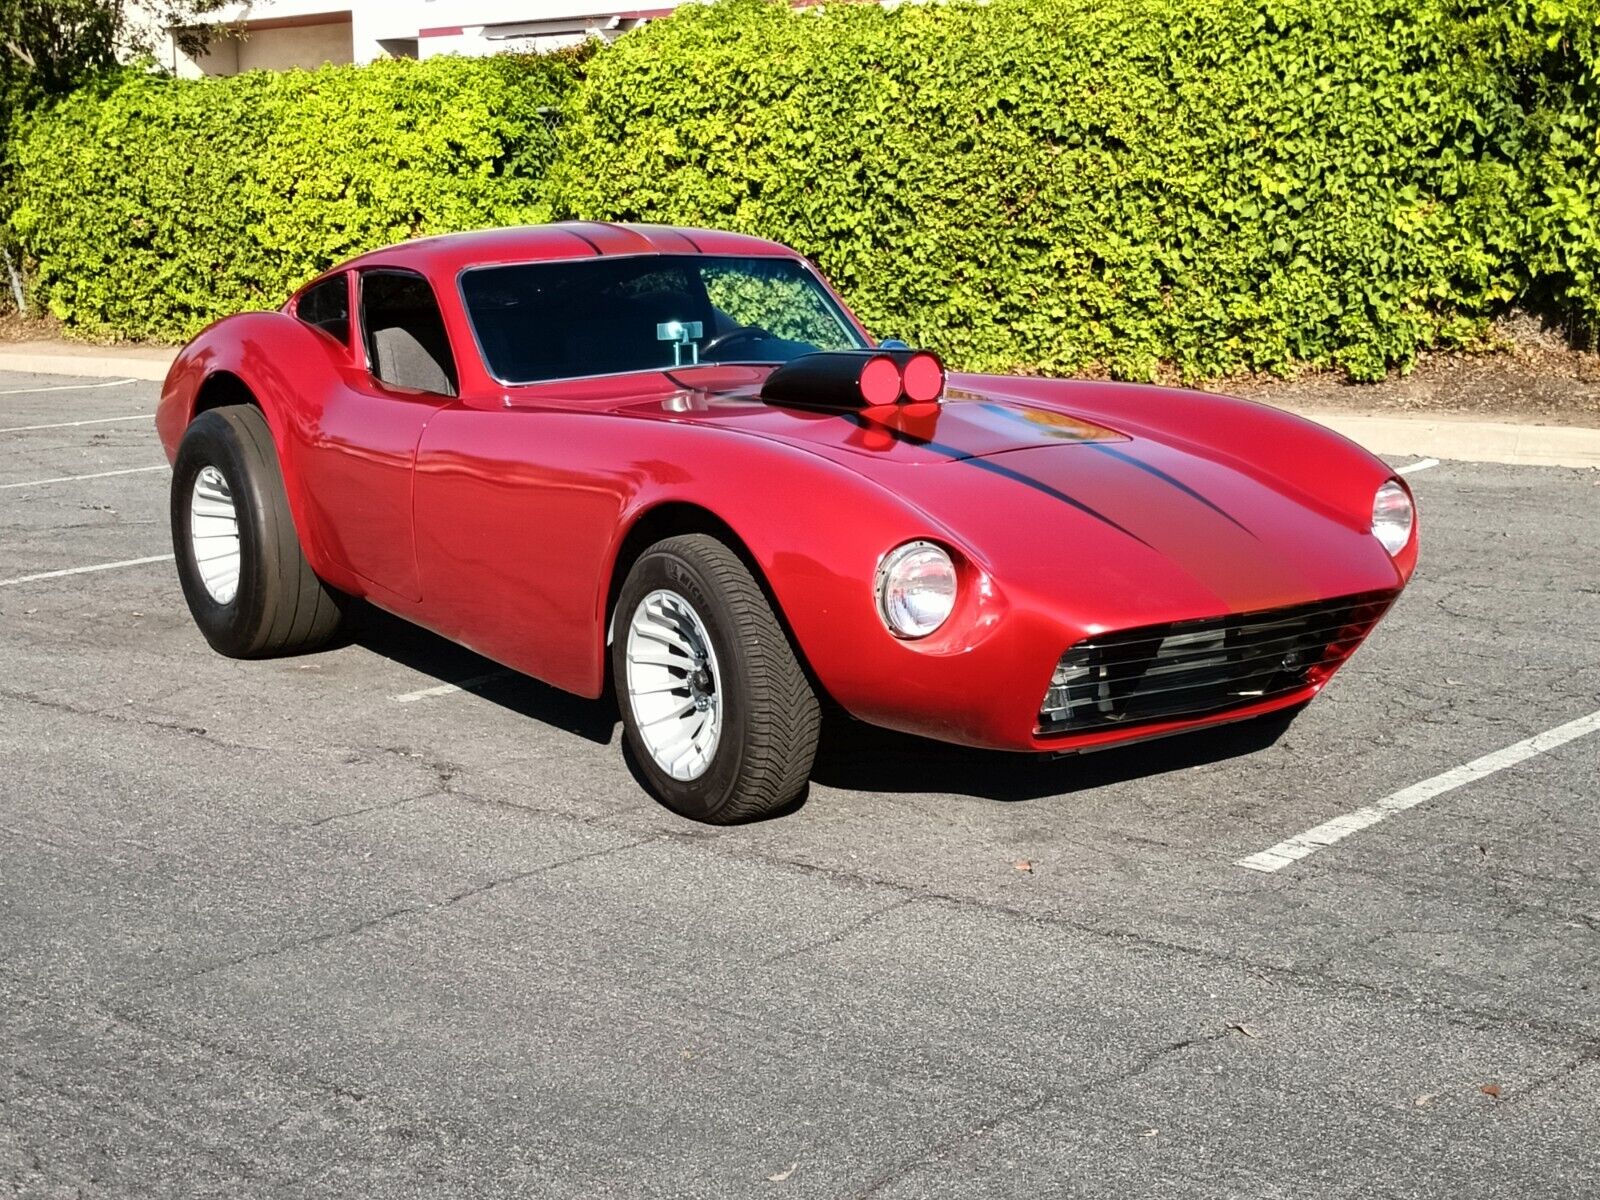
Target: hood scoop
x=848, y=380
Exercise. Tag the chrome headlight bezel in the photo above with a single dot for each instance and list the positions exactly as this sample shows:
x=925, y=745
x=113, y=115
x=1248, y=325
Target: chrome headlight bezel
x=939, y=588
x=1394, y=516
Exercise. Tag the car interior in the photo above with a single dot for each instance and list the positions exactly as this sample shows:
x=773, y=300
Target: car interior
x=326, y=306
x=406, y=343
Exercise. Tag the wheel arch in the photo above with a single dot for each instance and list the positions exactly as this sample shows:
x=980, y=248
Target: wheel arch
x=671, y=518
x=223, y=389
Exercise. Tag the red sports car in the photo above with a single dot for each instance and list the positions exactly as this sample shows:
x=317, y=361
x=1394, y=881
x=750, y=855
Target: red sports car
x=674, y=459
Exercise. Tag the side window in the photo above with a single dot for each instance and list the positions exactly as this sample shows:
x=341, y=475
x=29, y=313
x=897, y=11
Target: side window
x=326, y=306
x=404, y=332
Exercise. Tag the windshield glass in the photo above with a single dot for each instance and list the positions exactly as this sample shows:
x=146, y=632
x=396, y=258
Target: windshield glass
x=603, y=316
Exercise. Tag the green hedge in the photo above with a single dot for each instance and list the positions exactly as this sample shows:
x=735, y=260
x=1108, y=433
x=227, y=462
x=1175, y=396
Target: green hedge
x=1071, y=185
x=1119, y=186
x=154, y=206
x=1552, y=48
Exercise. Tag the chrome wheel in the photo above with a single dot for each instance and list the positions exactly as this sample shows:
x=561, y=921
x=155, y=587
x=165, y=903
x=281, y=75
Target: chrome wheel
x=214, y=534
x=673, y=685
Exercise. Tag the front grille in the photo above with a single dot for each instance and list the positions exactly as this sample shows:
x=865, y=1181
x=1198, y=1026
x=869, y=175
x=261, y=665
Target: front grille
x=1190, y=668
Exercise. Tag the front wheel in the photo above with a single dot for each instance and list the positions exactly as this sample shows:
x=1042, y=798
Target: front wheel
x=249, y=586
x=715, y=706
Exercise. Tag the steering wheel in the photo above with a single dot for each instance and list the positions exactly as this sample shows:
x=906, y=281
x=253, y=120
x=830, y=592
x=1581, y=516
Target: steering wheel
x=752, y=332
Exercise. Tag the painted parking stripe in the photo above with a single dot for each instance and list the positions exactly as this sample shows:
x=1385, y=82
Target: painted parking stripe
x=1420, y=465
x=66, y=387
x=76, y=424
x=74, y=478
x=447, y=689
x=1331, y=832
x=89, y=570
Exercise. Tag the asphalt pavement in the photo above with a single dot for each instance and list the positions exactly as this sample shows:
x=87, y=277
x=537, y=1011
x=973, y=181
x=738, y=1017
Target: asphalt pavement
x=330, y=926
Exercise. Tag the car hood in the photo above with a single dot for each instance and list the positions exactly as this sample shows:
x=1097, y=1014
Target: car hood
x=1135, y=527
x=969, y=423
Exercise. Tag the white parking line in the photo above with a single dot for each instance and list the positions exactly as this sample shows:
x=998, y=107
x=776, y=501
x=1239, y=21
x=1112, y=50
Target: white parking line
x=1422, y=464
x=73, y=478
x=1336, y=830
x=446, y=689
x=75, y=424
x=111, y=566
x=65, y=387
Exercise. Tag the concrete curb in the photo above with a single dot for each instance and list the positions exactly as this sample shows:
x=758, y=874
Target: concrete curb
x=1444, y=437
x=34, y=359
x=1468, y=440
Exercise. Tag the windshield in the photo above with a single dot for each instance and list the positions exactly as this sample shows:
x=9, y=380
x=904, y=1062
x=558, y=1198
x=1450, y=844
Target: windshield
x=603, y=316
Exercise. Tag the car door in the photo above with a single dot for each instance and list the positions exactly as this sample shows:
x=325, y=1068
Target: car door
x=401, y=371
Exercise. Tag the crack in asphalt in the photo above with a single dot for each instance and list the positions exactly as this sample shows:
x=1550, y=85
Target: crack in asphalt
x=134, y=1024
x=1587, y=1056
x=988, y=1124
x=132, y=719
x=330, y=935
x=381, y=806
x=838, y=935
x=1552, y=1033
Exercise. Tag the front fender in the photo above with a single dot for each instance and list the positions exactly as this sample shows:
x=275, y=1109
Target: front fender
x=817, y=531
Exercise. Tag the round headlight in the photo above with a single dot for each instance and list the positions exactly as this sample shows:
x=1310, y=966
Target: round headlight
x=916, y=589
x=1392, y=516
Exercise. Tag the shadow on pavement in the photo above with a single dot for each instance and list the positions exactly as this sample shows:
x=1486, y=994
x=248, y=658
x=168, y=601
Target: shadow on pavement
x=433, y=656
x=852, y=755
x=864, y=758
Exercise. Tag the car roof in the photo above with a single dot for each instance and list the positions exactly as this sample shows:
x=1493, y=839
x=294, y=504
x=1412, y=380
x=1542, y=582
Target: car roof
x=448, y=254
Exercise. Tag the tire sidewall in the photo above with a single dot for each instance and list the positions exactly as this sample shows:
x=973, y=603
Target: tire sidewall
x=665, y=570
x=213, y=440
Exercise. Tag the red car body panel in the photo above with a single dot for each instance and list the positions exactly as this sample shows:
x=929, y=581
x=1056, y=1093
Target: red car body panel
x=496, y=517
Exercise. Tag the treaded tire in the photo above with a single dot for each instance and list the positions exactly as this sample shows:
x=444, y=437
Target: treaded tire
x=281, y=607
x=769, y=712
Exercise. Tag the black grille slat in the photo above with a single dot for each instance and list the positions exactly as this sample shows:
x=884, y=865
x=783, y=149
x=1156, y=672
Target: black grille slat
x=1174, y=665
x=1210, y=681
x=1200, y=667
x=1334, y=621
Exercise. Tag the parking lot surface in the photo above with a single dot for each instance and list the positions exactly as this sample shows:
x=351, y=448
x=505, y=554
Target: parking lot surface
x=328, y=926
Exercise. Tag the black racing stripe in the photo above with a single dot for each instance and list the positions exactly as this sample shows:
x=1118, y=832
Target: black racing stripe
x=584, y=238
x=1183, y=487
x=700, y=387
x=624, y=230
x=994, y=468
x=984, y=464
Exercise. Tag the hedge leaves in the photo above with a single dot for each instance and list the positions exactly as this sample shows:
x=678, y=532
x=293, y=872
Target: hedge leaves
x=1118, y=186
x=155, y=208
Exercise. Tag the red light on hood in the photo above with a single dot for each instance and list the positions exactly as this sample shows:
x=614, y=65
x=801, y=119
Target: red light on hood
x=880, y=380
x=923, y=377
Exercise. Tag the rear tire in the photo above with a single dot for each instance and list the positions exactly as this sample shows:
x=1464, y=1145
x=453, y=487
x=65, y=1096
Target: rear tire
x=716, y=709
x=248, y=584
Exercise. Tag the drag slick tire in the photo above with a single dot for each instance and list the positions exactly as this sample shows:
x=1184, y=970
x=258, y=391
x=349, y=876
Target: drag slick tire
x=717, y=712
x=247, y=582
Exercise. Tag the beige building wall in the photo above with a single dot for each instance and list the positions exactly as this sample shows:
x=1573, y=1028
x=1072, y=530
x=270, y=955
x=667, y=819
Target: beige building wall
x=280, y=48
x=306, y=46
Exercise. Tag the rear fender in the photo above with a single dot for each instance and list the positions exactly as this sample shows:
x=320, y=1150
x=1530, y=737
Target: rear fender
x=288, y=369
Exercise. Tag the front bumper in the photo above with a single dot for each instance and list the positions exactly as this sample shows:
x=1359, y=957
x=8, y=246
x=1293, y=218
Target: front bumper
x=991, y=694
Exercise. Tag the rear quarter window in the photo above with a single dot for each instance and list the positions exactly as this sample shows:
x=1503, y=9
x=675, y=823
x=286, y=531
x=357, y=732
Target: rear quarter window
x=326, y=306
